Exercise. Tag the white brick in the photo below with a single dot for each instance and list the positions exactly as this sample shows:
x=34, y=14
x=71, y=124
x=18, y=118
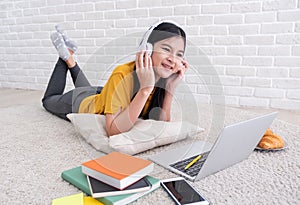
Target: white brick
x=243, y=30
x=228, y=80
x=286, y=83
x=293, y=94
x=54, y=2
x=257, y=61
x=279, y=5
x=136, y=13
x=285, y=104
x=256, y=82
x=269, y=93
x=214, y=90
x=116, y=32
x=23, y=20
x=192, y=31
x=205, y=40
x=238, y=91
x=277, y=28
x=272, y=72
x=240, y=71
x=296, y=50
x=85, y=25
x=260, y=17
x=105, y=5
x=226, y=60
x=186, y=10
x=73, y=1
x=199, y=20
x=297, y=27
x=127, y=4
x=12, y=36
x=146, y=22
x=213, y=30
x=47, y=10
x=86, y=42
x=147, y=3
x=241, y=51
x=56, y=18
x=228, y=19
x=14, y=13
x=213, y=50
x=125, y=23
x=15, y=28
x=86, y=7
x=30, y=12
x=94, y=33
x=87, y=16
x=66, y=9
x=228, y=40
x=215, y=9
x=251, y=101
x=245, y=7
x=159, y=11
x=288, y=39
x=114, y=14
x=172, y=2
x=195, y=79
x=104, y=24
x=259, y=40
x=295, y=72
x=274, y=51
x=289, y=15
x=287, y=61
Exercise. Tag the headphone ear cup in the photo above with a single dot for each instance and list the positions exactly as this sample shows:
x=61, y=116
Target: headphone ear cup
x=149, y=48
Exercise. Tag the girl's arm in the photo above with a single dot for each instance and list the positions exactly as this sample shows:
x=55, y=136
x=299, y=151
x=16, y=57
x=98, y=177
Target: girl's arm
x=123, y=121
x=171, y=84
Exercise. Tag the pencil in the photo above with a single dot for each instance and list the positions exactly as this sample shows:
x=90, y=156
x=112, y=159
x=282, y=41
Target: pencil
x=193, y=162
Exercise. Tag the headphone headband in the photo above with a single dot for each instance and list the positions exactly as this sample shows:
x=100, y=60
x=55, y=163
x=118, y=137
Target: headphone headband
x=143, y=44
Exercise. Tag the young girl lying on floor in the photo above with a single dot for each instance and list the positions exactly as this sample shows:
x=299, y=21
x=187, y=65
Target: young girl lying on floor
x=142, y=88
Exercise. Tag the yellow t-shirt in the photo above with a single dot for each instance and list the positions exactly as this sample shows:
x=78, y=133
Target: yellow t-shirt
x=116, y=93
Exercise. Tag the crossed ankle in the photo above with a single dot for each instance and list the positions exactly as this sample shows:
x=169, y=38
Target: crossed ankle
x=69, y=43
x=59, y=44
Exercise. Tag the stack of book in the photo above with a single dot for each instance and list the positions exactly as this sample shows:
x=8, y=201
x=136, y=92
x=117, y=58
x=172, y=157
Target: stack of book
x=115, y=178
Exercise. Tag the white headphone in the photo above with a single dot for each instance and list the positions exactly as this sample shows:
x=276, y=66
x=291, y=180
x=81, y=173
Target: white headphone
x=144, y=45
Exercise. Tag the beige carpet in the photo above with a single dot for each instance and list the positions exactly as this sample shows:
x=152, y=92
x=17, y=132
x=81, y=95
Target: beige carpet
x=35, y=147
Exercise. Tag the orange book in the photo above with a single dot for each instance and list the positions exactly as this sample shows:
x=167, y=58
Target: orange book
x=117, y=169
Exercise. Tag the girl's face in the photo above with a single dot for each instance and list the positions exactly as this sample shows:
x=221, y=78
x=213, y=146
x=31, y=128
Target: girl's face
x=167, y=56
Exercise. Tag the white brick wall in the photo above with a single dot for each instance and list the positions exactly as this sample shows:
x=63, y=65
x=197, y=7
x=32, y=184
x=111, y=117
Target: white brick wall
x=253, y=46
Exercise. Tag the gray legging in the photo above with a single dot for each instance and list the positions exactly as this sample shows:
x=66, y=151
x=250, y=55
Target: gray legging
x=59, y=103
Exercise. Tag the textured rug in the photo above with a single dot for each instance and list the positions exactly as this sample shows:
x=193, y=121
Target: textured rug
x=35, y=147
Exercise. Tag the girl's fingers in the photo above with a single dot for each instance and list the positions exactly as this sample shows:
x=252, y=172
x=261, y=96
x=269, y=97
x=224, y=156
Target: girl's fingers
x=137, y=61
x=141, y=59
x=150, y=62
x=146, y=59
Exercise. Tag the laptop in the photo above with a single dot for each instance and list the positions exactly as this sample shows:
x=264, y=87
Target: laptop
x=234, y=144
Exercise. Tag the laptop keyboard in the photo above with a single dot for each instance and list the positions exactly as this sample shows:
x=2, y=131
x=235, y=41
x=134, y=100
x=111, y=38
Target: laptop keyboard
x=194, y=169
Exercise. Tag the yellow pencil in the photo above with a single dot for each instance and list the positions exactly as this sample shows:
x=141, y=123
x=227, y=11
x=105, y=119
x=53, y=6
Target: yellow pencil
x=193, y=162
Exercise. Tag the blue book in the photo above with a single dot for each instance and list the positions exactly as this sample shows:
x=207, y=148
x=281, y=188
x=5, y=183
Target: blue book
x=78, y=179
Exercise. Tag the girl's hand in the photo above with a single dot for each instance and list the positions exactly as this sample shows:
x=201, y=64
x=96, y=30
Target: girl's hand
x=144, y=71
x=174, y=79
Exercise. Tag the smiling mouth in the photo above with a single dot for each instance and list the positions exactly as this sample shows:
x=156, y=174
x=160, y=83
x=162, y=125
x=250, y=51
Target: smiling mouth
x=168, y=67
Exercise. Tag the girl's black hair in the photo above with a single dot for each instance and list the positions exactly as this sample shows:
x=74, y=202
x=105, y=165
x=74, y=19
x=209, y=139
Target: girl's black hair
x=162, y=31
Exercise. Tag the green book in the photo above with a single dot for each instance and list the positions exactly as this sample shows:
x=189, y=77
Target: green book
x=78, y=179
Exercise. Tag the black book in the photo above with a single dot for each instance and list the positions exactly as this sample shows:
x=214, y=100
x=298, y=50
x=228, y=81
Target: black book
x=100, y=189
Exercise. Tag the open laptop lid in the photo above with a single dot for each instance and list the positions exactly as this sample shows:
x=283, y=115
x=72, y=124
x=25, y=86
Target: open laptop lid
x=235, y=143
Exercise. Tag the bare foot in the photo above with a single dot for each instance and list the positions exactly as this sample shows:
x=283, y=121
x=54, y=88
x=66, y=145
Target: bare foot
x=70, y=61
